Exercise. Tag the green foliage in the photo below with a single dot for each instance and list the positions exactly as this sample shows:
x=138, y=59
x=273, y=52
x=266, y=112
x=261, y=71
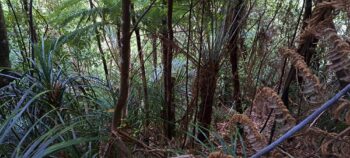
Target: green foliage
x=53, y=112
x=63, y=101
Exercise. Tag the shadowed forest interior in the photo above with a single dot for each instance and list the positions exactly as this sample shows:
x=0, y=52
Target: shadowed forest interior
x=173, y=78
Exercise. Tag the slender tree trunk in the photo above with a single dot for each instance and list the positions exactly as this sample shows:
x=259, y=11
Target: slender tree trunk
x=143, y=71
x=234, y=53
x=4, y=43
x=21, y=43
x=168, y=109
x=124, y=67
x=99, y=45
x=188, y=106
x=198, y=82
x=165, y=73
x=5, y=63
x=32, y=32
x=34, y=36
x=170, y=80
x=154, y=54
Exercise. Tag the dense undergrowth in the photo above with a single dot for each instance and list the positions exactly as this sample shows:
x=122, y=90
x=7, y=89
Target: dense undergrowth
x=59, y=101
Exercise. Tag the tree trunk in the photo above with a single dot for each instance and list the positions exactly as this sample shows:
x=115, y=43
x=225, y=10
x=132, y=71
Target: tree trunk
x=143, y=71
x=18, y=33
x=32, y=32
x=99, y=46
x=170, y=80
x=234, y=53
x=4, y=43
x=124, y=67
x=188, y=107
x=4, y=48
x=206, y=81
x=168, y=109
x=207, y=86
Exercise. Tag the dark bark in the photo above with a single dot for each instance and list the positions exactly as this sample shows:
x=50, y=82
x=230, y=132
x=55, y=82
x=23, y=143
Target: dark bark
x=168, y=109
x=207, y=86
x=28, y=7
x=206, y=83
x=4, y=49
x=124, y=67
x=234, y=53
x=4, y=43
x=169, y=78
x=165, y=73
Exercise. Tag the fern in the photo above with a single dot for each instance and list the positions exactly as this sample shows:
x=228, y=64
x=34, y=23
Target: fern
x=311, y=83
x=255, y=139
x=268, y=107
x=339, y=54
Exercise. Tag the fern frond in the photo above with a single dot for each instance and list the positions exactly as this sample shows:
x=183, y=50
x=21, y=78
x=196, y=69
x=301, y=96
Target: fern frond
x=343, y=105
x=321, y=18
x=82, y=13
x=73, y=35
x=336, y=4
x=311, y=83
x=219, y=154
x=308, y=140
x=339, y=54
x=337, y=146
x=256, y=140
x=266, y=109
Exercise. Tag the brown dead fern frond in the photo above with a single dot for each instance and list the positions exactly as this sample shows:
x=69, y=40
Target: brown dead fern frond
x=276, y=103
x=255, y=139
x=338, y=146
x=338, y=55
x=337, y=4
x=347, y=118
x=323, y=27
x=268, y=108
x=315, y=142
x=318, y=132
x=321, y=18
x=313, y=28
x=219, y=154
x=311, y=84
x=308, y=142
x=341, y=111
